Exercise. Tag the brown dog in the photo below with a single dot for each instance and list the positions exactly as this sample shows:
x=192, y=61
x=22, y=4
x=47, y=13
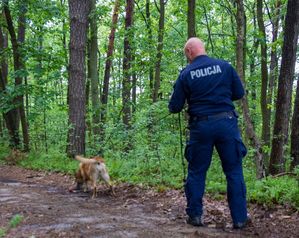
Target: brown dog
x=89, y=171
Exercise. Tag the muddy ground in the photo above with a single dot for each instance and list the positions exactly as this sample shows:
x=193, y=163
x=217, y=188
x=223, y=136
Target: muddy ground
x=50, y=210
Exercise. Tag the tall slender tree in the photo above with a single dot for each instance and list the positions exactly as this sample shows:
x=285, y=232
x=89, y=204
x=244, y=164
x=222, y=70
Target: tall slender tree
x=93, y=69
x=264, y=102
x=285, y=83
x=108, y=65
x=240, y=18
x=10, y=114
x=191, y=18
x=127, y=63
x=295, y=131
x=16, y=42
x=273, y=75
x=78, y=11
x=157, y=78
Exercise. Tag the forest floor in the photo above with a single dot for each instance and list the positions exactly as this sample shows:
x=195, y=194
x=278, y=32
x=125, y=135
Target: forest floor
x=50, y=210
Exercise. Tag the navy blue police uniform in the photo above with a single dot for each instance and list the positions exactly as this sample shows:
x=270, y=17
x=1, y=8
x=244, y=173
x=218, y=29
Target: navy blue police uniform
x=210, y=86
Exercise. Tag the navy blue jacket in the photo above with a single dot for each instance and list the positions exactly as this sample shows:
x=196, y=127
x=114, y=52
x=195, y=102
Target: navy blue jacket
x=209, y=86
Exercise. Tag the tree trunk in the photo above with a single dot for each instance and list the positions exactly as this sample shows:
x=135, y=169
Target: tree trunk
x=93, y=68
x=126, y=84
x=295, y=131
x=63, y=32
x=108, y=64
x=21, y=40
x=264, y=101
x=9, y=116
x=274, y=59
x=273, y=74
x=18, y=64
x=157, y=79
x=191, y=18
x=150, y=41
x=208, y=29
x=252, y=67
x=79, y=11
x=285, y=83
x=134, y=85
x=240, y=18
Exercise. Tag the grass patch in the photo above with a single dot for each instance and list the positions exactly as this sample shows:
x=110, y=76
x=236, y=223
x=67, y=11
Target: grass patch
x=13, y=223
x=53, y=161
x=167, y=173
x=2, y=232
x=15, y=220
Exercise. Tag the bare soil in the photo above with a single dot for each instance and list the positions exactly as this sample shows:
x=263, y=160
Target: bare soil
x=50, y=210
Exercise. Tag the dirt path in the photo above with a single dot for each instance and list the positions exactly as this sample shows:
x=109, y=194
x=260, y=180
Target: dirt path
x=49, y=210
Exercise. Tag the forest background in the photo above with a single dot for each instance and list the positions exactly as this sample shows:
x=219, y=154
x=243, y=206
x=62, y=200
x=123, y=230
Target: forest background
x=94, y=77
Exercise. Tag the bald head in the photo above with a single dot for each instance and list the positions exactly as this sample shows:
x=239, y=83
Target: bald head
x=194, y=47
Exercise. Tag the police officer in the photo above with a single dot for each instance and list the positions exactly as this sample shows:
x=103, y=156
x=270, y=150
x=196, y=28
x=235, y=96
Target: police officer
x=209, y=86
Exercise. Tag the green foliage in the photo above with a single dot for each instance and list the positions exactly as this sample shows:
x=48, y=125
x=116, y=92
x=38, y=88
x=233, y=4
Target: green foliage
x=154, y=158
x=144, y=167
x=4, y=151
x=13, y=223
x=282, y=190
x=53, y=161
x=2, y=232
x=15, y=220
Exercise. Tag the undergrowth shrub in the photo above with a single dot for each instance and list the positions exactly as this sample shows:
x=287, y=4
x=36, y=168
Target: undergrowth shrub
x=162, y=168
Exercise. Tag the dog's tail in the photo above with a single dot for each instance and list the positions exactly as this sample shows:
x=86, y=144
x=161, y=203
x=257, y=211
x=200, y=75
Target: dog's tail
x=84, y=160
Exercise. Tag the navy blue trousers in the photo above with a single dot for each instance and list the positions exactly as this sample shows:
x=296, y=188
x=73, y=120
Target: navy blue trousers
x=223, y=133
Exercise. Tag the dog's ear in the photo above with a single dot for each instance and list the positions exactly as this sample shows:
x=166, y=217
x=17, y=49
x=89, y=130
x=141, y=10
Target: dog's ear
x=99, y=159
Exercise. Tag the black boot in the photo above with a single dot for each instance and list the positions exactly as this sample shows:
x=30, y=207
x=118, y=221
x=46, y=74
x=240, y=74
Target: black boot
x=194, y=221
x=241, y=225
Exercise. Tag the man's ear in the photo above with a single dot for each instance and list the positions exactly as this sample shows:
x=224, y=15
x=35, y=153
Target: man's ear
x=188, y=54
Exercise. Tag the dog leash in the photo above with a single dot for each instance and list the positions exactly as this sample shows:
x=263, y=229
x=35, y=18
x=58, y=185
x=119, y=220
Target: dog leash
x=181, y=147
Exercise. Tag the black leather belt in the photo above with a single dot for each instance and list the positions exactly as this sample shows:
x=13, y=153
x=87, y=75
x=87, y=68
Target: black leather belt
x=214, y=116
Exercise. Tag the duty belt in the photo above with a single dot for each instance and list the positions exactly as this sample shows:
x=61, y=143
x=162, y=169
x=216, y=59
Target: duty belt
x=214, y=116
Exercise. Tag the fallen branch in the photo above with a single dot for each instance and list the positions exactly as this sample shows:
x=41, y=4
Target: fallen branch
x=285, y=173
